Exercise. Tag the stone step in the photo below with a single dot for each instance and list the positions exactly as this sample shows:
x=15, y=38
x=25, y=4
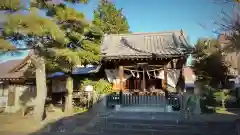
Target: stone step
x=159, y=132
x=122, y=132
x=161, y=127
x=116, y=114
x=110, y=121
x=179, y=128
x=147, y=126
x=173, y=116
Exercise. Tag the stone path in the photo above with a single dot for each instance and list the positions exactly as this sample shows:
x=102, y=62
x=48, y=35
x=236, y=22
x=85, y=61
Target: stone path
x=133, y=123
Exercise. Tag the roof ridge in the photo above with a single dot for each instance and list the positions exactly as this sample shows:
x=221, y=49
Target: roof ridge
x=142, y=33
x=159, y=44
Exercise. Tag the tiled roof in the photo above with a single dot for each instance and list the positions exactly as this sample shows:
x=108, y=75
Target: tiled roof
x=160, y=44
x=78, y=71
x=14, y=69
x=7, y=66
x=13, y=75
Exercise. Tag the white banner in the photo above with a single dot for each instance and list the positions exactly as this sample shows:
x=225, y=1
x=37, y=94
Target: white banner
x=172, y=76
x=113, y=75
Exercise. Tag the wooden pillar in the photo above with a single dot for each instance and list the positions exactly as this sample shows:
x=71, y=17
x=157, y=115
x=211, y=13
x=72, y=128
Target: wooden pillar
x=135, y=84
x=121, y=76
x=121, y=73
x=144, y=80
x=164, y=82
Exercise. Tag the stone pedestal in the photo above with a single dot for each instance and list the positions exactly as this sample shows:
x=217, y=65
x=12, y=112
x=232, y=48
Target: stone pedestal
x=198, y=91
x=197, y=109
x=169, y=108
x=117, y=107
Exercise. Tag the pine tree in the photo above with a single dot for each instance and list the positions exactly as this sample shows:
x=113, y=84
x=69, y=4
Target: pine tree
x=110, y=19
x=62, y=40
x=208, y=54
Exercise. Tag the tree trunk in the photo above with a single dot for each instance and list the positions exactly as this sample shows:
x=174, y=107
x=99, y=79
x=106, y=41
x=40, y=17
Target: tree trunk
x=68, y=102
x=39, y=110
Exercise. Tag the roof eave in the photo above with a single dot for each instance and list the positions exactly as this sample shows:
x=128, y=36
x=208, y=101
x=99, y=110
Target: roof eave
x=11, y=79
x=108, y=57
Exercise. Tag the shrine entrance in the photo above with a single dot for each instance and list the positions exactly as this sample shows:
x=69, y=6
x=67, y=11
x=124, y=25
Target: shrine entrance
x=136, y=84
x=154, y=100
x=144, y=88
x=144, y=79
x=143, y=66
x=142, y=85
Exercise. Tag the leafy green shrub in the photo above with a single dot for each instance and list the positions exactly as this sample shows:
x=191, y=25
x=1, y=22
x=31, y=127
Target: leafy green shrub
x=86, y=82
x=102, y=87
x=81, y=100
x=79, y=109
x=99, y=87
x=208, y=99
x=219, y=95
x=208, y=96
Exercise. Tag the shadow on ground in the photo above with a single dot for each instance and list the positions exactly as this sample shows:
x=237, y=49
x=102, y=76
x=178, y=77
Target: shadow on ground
x=78, y=123
x=75, y=123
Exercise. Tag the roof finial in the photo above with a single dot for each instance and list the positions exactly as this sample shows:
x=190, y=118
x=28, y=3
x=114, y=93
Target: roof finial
x=181, y=32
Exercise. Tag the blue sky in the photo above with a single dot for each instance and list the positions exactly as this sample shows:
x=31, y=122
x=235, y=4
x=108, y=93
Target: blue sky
x=165, y=15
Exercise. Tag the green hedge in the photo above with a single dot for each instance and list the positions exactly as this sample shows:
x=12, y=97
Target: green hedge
x=101, y=86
